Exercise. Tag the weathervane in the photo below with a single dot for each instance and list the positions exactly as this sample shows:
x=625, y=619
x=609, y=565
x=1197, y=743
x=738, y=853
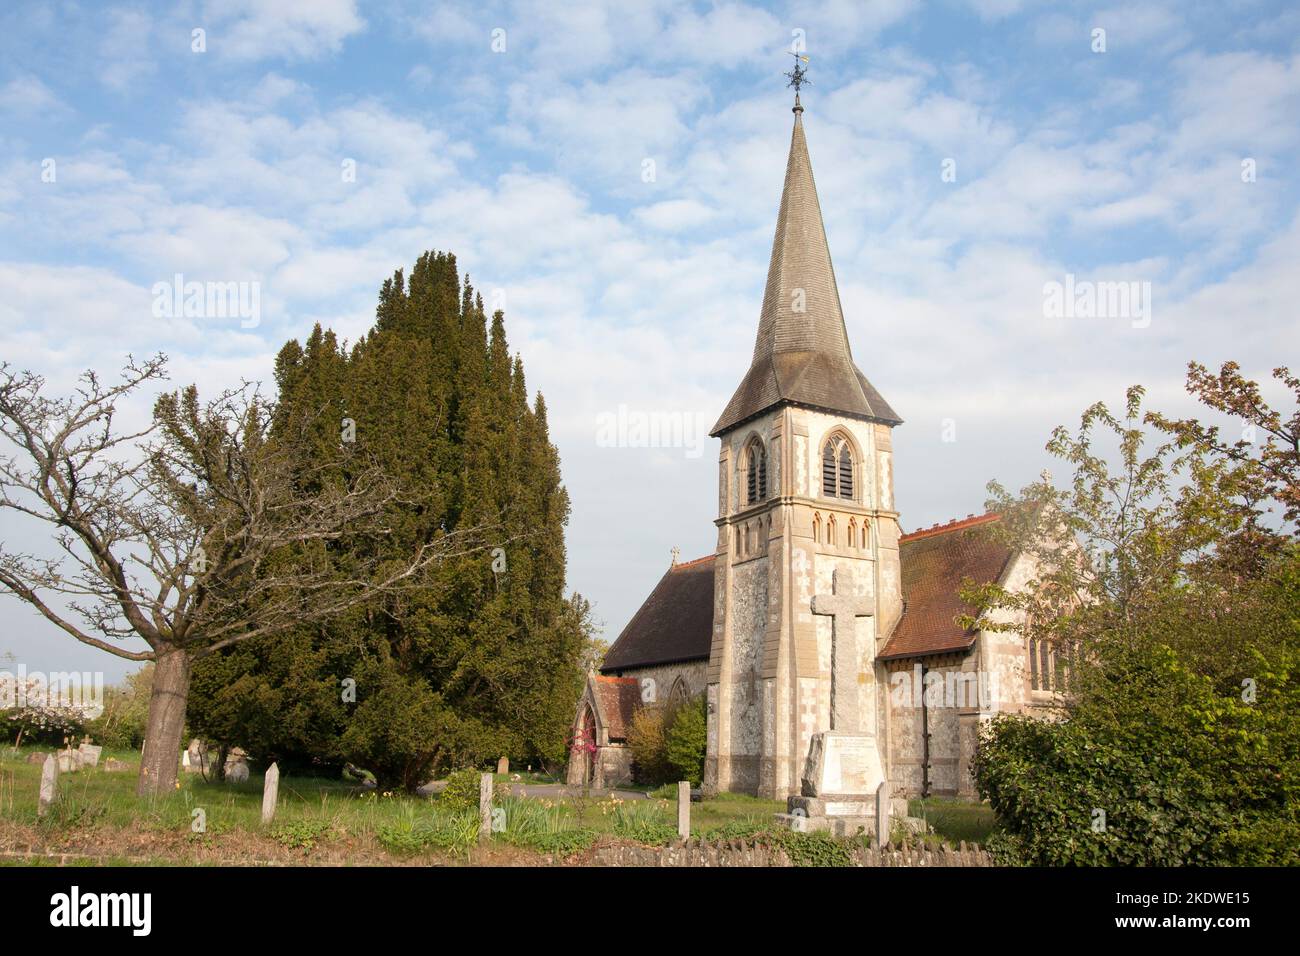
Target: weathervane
x=798, y=76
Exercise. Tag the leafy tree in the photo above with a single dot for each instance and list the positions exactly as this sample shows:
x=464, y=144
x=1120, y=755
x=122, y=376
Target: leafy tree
x=1179, y=740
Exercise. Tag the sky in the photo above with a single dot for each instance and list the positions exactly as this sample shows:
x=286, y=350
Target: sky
x=608, y=174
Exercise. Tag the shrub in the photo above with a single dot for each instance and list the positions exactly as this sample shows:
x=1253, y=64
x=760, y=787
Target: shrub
x=647, y=740
x=126, y=712
x=687, y=741
x=1153, y=767
x=44, y=725
x=461, y=792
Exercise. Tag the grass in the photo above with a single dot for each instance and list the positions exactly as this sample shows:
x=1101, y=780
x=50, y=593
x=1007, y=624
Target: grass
x=955, y=820
x=98, y=819
x=98, y=812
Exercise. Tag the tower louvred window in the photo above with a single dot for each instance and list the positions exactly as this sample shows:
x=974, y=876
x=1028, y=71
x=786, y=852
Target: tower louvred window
x=756, y=483
x=846, y=472
x=837, y=469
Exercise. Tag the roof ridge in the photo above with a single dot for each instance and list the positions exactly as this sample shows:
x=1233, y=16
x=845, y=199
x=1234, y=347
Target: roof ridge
x=686, y=564
x=956, y=524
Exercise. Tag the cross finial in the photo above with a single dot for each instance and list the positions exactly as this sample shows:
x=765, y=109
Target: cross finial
x=677, y=553
x=798, y=78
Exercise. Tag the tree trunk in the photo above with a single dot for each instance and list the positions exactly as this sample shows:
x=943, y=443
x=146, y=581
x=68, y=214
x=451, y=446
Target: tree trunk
x=162, y=746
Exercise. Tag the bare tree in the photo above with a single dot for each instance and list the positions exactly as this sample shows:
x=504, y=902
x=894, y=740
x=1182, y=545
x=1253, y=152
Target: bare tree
x=200, y=531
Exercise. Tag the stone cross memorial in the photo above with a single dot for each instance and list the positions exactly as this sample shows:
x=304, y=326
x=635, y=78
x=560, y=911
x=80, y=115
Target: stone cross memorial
x=843, y=768
x=843, y=609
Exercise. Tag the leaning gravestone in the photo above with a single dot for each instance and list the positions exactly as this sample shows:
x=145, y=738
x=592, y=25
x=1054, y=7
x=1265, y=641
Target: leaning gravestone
x=49, y=785
x=90, y=754
x=270, y=793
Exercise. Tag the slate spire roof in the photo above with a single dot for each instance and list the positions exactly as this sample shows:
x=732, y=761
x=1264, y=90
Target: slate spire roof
x=802, y=354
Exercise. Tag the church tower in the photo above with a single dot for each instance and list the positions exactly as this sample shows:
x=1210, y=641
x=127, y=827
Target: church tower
x=806, y=519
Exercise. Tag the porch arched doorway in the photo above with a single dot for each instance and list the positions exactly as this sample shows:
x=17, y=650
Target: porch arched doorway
x=588, y=745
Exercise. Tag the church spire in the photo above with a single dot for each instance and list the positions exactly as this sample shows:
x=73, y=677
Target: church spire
x=802, y=355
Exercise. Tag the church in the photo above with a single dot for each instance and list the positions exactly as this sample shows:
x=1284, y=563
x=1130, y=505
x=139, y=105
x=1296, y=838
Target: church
x=819, y=633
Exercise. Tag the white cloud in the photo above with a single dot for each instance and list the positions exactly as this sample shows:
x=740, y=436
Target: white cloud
x=27, y=95
x=281, y=29
x=675, y=215
x=124, y=49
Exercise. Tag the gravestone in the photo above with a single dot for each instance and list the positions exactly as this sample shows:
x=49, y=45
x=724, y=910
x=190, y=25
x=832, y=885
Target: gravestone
x=237, y=766
x=49, y=785
x=90, y=754
x=270, y=793
x=684, y=809
x=69, y=761
x=484, y=807
x=195, y=757
x=843, y=768
x=37, y=757
x=503, y=765
x=115, y=766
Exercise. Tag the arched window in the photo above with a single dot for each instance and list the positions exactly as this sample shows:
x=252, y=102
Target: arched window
x=851, y=535
x=866, y=535
x=756, y=473
x=832, y=538
x=817, y=529
x=837, y=468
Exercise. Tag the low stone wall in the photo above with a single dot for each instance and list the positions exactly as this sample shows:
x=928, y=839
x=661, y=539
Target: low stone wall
x=747, y=853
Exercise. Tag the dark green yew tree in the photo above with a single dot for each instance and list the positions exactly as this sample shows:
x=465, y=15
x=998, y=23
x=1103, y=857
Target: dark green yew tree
x=482, y=660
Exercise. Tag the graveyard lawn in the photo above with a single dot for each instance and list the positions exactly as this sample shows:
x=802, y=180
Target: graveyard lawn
x=955, y=820
x=99, y=820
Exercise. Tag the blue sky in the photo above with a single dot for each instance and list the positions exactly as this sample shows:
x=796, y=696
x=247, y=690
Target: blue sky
x=528, y=162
